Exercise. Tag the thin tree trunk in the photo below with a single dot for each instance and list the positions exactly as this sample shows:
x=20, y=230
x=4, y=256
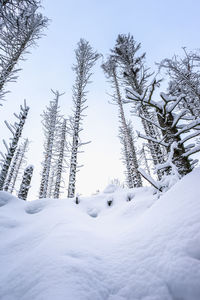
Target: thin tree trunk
x=60, y=160
x=132, y=158
x=25, y=185
x=12, y=170
x=49, y=151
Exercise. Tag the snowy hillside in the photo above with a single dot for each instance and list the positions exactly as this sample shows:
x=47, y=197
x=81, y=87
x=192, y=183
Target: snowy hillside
x=140, y=249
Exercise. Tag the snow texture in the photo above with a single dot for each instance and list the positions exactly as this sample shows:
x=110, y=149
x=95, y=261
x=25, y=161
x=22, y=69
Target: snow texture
x=136, y=248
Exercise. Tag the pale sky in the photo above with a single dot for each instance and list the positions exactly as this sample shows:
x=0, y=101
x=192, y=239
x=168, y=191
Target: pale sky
x=163, y=27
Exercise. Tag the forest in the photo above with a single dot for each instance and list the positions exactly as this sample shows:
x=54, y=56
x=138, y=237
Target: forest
x=170, y=118
x=139, y=237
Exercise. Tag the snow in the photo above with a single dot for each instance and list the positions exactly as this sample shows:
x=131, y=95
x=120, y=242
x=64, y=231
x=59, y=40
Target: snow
x=146, y=248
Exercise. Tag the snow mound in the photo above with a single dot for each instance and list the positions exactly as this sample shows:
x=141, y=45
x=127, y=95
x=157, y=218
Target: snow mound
x=35, y=207
x=116, y=245
x=5, y=198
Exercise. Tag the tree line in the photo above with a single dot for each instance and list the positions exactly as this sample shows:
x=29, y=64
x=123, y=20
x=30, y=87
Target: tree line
x=171, y=124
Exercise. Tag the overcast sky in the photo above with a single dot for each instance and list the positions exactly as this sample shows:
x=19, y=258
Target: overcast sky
x=163, y=27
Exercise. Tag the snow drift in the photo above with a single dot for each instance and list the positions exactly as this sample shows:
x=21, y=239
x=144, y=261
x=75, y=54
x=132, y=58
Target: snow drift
x=135, y=248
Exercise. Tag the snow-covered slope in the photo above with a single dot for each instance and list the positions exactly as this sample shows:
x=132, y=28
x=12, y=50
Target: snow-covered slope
x=140, y=249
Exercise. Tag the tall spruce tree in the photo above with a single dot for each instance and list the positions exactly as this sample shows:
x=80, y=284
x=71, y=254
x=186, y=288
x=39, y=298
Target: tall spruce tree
x=85, y=60
x=126, y=136
x=135, y=75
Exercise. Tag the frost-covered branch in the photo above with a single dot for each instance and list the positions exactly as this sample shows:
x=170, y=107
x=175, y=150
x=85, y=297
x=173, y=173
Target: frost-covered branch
x=171, y=124
x=184, y=75
x=20, y=27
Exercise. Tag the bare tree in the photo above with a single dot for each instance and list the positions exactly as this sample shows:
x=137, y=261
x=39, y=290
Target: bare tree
x=12, y=170
x=51, y=185
x=144, y=159
x=17, y=163
x=60, y=162
x=20, y=165
x=85, y=60
x=51, y=119
x=16, y=131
